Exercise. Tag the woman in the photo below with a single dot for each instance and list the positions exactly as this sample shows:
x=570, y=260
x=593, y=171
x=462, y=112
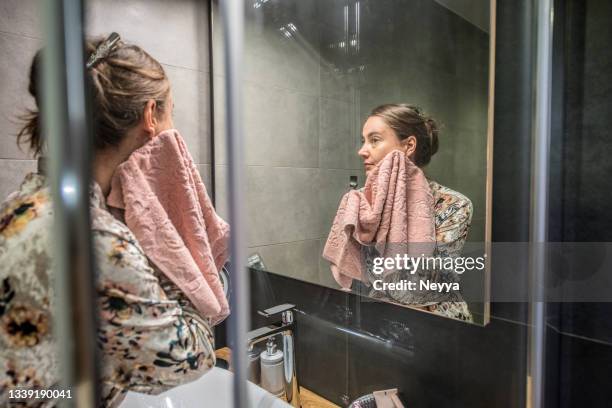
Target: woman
x=405, y=128
x=150, y=337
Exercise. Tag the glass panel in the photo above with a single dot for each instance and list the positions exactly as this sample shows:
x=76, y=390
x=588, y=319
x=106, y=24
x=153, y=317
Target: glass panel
x=314, y=70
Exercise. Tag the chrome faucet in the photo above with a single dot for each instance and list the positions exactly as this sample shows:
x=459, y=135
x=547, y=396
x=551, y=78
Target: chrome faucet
x=287, y=330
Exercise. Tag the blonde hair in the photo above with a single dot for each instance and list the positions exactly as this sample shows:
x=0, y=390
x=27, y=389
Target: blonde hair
x=121, y=84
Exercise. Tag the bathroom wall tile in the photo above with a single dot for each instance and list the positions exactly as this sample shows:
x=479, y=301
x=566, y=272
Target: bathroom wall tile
x=191, y=92
x=327, y=304
x=333, y=184
x=22, y=17
x=469, y=47
x=583, y=380
x=12, y=173
x=323, y=358
x=218, y=62
x=281, y=127
x=297, y=259
x=175, y=33
x=374, y=93
x=477, y=229
x=512, y=311
x=271, y=59
x=282, y=203
x=465, y=358
x=221, y=199
x=336, y=83
x=205, y=173
x=220, y=136
x=471, y=111
x=338, y=138
x=17, y=52
x=591, y=320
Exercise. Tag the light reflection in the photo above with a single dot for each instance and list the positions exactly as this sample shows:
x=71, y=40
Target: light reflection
x=68, y=189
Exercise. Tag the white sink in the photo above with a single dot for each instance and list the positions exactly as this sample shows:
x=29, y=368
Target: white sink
x=214, y=389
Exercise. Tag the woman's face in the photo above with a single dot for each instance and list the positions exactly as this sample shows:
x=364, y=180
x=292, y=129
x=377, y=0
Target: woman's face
x=378, y=139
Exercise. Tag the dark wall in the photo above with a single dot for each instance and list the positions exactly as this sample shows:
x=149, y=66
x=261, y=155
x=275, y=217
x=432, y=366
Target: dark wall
x=580, y=335
x=349, y=346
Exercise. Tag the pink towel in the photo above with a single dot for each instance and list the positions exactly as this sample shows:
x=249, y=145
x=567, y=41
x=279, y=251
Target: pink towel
x=167, y=208
x=394, y=212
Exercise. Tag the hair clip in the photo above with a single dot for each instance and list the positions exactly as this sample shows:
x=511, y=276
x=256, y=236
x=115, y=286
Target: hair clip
x=103, y=49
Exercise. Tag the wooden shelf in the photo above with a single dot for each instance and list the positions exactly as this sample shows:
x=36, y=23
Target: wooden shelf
x=308, y=398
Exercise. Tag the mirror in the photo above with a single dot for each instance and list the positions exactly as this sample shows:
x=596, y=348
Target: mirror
x=313, y=73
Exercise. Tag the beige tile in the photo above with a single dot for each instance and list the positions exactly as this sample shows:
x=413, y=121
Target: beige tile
x=218, y=90
x=174, y=32
x=17, y=53
x=191, y=93
x=221, y=191
x=22, y=17
x=12, y=173
x=205, y=173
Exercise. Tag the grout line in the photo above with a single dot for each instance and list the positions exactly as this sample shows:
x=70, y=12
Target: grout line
x=186, y=68
x=13, y=159
x=296, y=168
x=20, y=35
x=577, y=336
x=283, y=243
x=292, y=90
x=509, y=320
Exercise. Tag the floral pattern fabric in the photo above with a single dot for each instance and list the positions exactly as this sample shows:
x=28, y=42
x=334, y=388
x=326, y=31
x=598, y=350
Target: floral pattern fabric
x=150, y=339
x=453, y=215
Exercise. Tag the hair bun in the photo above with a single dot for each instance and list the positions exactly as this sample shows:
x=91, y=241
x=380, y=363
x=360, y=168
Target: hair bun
x=432, y=132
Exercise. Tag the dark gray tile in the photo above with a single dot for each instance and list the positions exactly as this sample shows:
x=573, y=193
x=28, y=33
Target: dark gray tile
x=583, y=379
x=282, y=203
x=338, y=138
x=296, y=260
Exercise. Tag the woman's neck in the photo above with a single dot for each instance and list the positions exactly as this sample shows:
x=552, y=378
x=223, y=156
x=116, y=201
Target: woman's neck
x=105, y=164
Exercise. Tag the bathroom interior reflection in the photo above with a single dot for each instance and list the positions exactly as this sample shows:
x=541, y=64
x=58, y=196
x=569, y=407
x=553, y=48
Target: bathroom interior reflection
x=420, y=119
x=313, y=73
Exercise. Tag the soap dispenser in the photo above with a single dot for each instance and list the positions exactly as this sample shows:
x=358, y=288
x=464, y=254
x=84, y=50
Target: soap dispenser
x=272, y=371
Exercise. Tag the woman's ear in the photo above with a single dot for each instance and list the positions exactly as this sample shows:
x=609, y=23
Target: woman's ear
x=409, y=145
x=149, y=118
